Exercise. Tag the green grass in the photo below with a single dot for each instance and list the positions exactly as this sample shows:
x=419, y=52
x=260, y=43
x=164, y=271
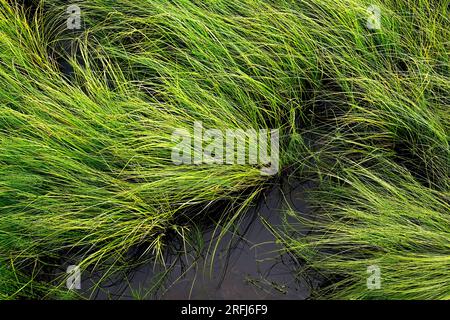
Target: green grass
x=85, y=167
x=382, y=218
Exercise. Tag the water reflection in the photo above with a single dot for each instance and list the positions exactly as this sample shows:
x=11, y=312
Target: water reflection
x=246, y=264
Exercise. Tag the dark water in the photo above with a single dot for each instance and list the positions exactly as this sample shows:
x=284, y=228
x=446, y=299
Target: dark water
x=247, y=264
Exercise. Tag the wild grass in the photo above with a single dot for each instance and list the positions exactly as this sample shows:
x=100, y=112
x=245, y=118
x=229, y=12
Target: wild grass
x=85, y=167
x=375, y=218
x=381, y=160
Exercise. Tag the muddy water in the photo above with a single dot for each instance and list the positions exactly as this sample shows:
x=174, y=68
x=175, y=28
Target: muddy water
x=247, y=263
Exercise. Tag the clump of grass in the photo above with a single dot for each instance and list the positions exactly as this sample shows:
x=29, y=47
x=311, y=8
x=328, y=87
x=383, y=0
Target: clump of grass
x=86, y=164
x=385, y=219
x=382, y=159
x=86, y=173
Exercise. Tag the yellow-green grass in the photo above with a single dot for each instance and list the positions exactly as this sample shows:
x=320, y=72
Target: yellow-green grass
x=85, y=158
